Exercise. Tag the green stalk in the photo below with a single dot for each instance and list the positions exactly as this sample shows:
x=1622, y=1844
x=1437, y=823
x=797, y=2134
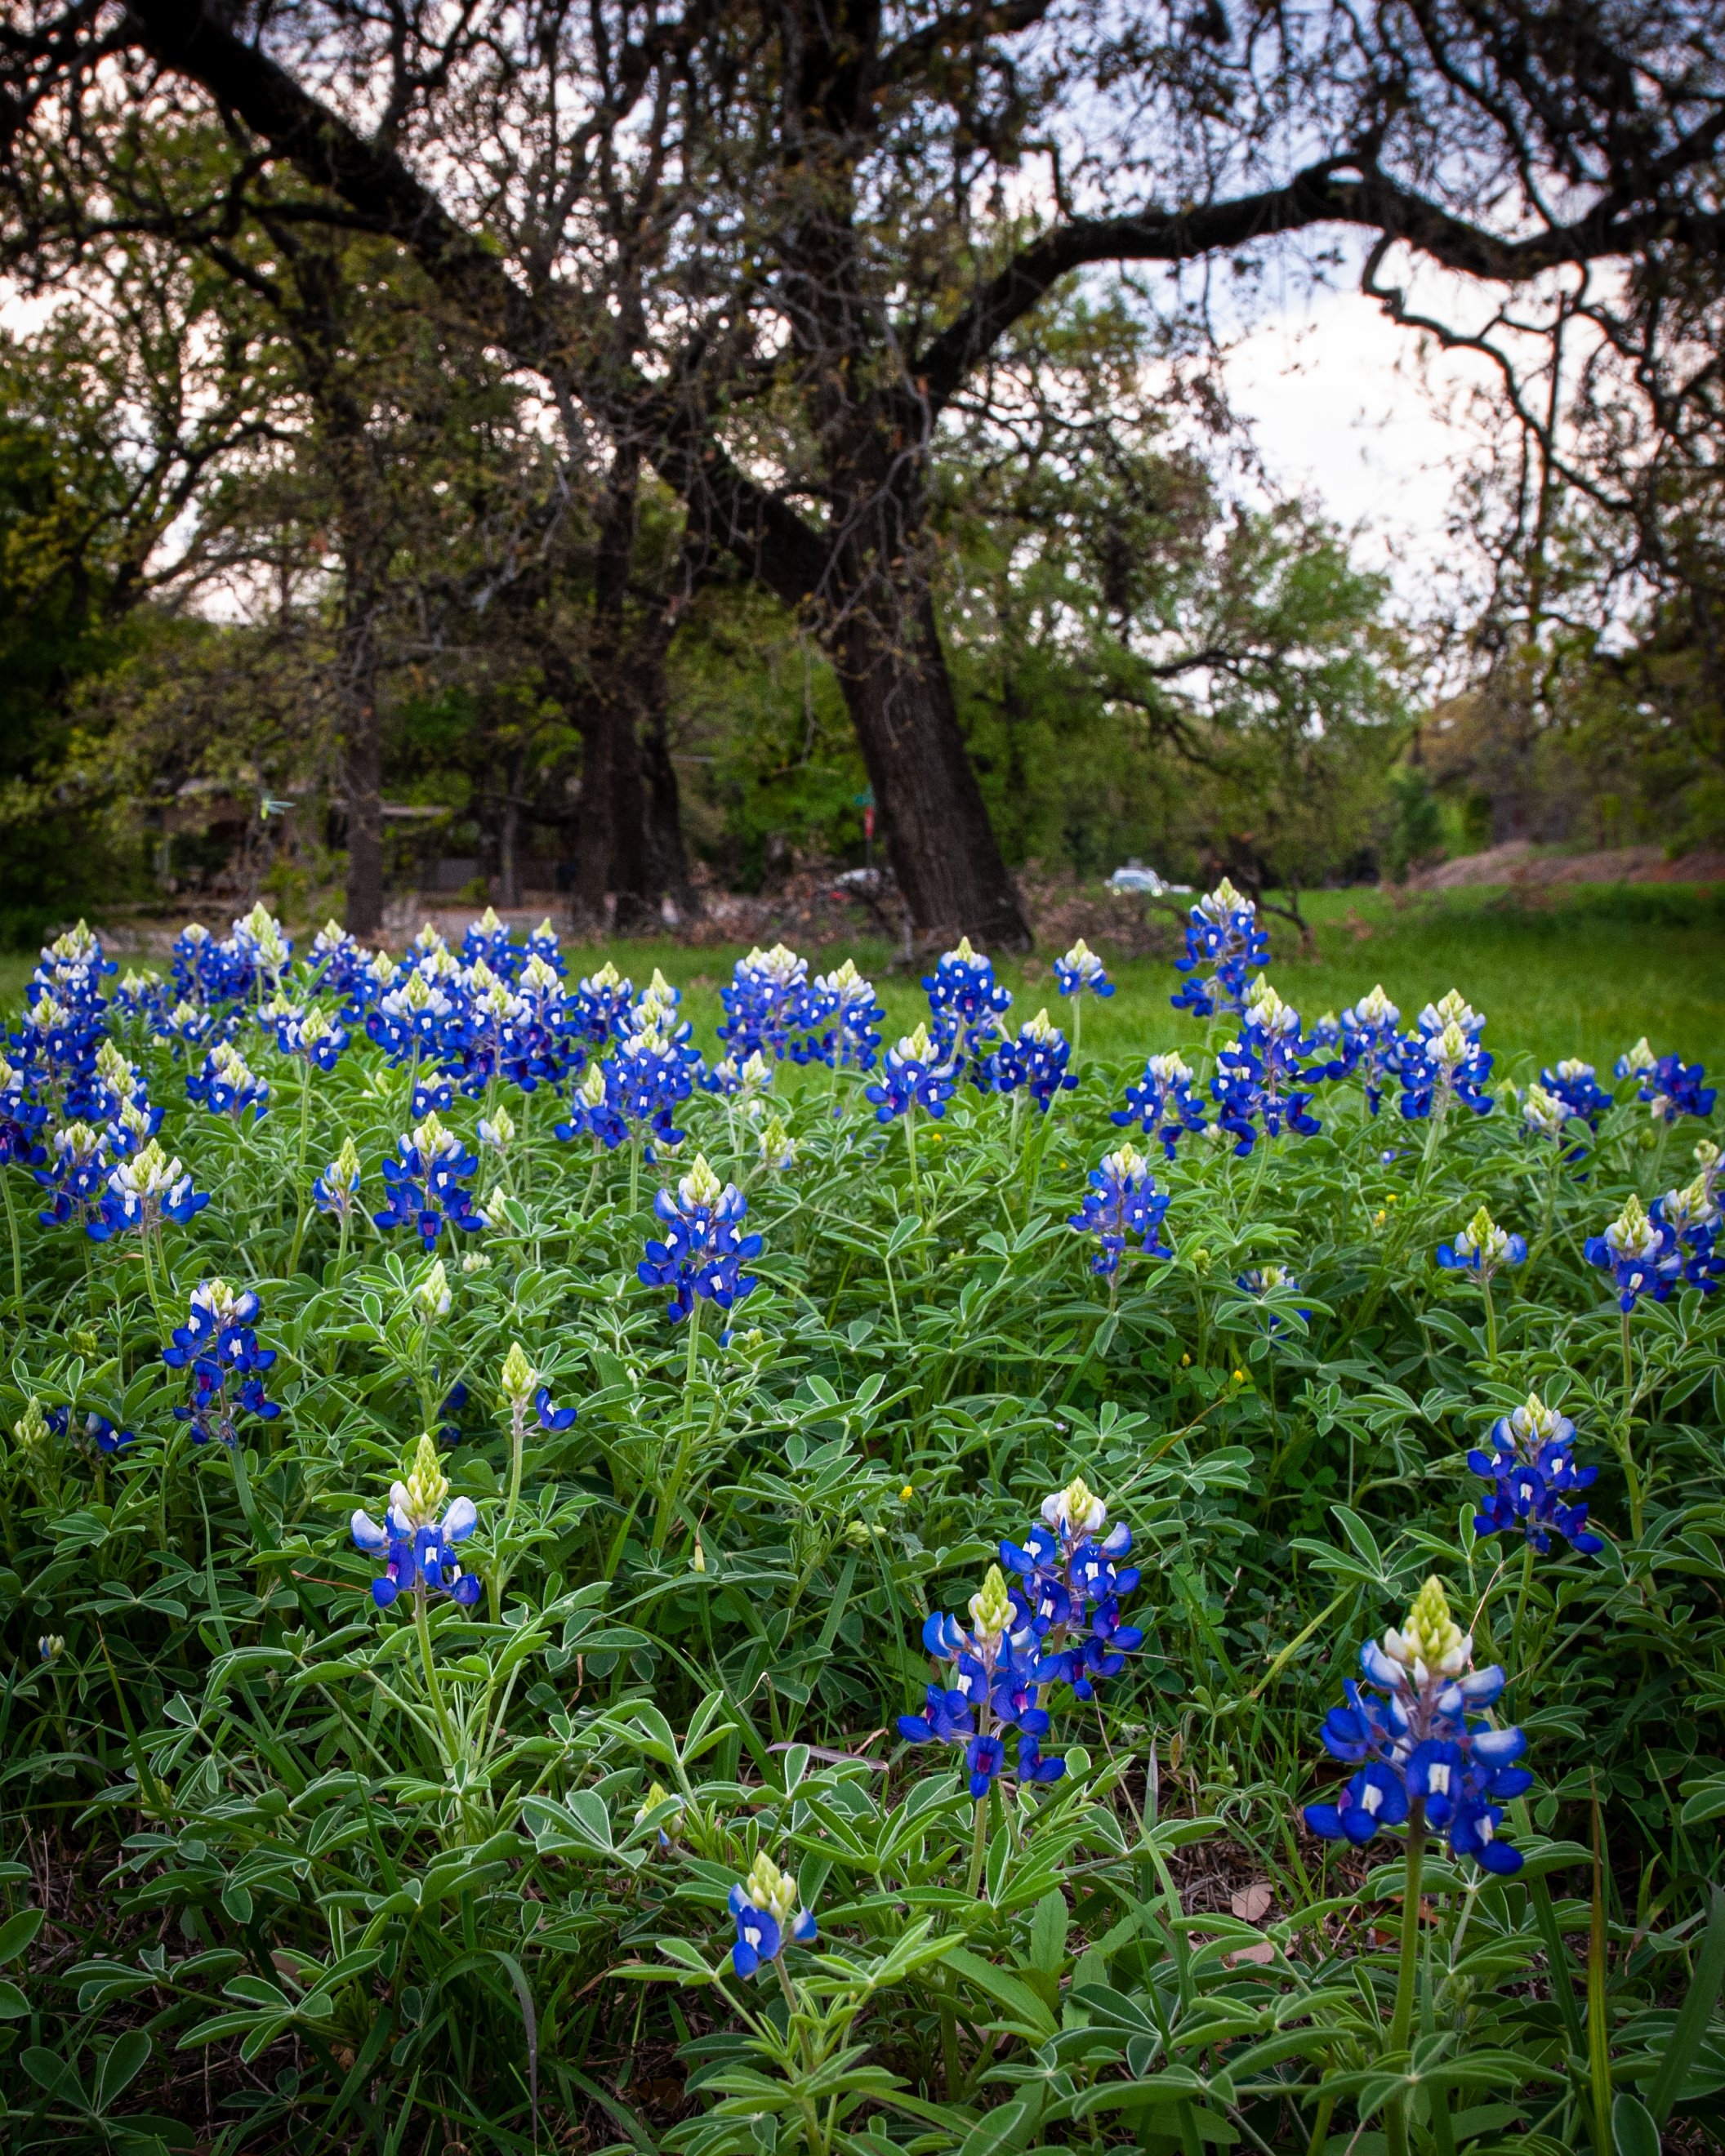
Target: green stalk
x=292, y=1263
x=1624, y=1447
x=17, y=1263
x=1395, y=2118
x=1598, y=2040
x=1490, y=1324
x=1520, y=1610
x=979, y=1846
x=434, y=1689
x=1077, y=1003
x=910, y=1151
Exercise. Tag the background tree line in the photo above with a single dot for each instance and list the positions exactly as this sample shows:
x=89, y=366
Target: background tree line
x=636, y=435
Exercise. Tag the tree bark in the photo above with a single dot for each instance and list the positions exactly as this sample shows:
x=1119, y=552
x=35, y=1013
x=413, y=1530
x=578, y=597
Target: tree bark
x=899, y=694
x=615, y=856
x=362, y=762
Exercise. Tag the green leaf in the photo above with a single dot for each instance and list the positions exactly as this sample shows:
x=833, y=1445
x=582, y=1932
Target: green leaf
x=1690, y=2026
x=121, y=2067
x=996, y=2130
x=1632, y=2126
x=1011, y=1992
x=17, y=1933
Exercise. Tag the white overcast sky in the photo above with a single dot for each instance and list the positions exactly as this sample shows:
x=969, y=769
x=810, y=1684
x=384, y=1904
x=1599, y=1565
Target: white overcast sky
x=1340, y=408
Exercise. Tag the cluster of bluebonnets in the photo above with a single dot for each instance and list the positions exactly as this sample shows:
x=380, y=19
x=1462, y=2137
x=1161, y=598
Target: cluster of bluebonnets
x=1049, y=1623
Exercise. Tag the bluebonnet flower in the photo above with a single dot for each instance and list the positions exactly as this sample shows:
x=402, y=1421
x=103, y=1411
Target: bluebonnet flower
x=1690, y=1218
x=195, y=965
x=733, y=1080
x=1546, y=1114
x=600, y=1005
x=79, y=1166
x=309, y=1033
x=117, y=1084
x=262, y=950
x=1259, y=1077
x=425, y=1183
x=1081, y=972
x=1369, y=1044
x=219, y=1344
x=434, y=1095
x=189, y=1024
x=97, y=1430
x=591, y=1113
x=336, y=1190
x=1674, y=1088
x=1415, y=1734
x=854, y=1042
x=418, y=1537
x=657, y=1794
x=1068, y=1589
x=778, y=1147
x=335, y=959
x=1641, y=1256
x=702, y=1254
x=1164, y=1103
x=1533, y=1472
x=1036, y=1062
x=138, y=995
x=1482, y=1249
x=645, y=1078
x=1222, y=933
x=767, y=1915
x=417, y=1017
x=22, y=1117
x=966, y=1002
x=489, y=1012
x=540, y=1046
x=57, y=1042
x=143, y=1191
x=1442, y=1059
x=1122, y=1204
x=994, y=1688
x=488, y=942
x=769, y=999
x=916, y=1073
x=520, y=1388
x=1574, y=1083
x=227, y=1085
x=1711, y=1163
x=542, y=944
x=1261, y=1280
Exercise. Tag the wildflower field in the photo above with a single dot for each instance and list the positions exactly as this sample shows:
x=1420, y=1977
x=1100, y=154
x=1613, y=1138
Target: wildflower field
x=967, y=1586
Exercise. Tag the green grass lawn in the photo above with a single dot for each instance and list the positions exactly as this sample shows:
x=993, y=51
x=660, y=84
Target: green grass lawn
x=1584, y=975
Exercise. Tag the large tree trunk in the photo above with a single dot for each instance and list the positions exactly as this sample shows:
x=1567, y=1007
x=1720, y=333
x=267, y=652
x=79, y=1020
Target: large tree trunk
x=363, y=764
x=893, y=672
x=615, y=855
x=648, y=650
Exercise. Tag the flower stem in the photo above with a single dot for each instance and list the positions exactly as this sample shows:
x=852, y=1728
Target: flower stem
x=292, y=1263
x=1521, y=1609
x=1490, y=1324
x=910, y=1151
x=1625, y=1446
x=17, y=1263
x=1395, y=2118
x=979, y=1846
x=434, y=1689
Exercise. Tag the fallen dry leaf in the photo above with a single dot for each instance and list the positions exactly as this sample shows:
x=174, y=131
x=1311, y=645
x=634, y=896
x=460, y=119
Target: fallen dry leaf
x=1252, y=1903
x=1262, y=1952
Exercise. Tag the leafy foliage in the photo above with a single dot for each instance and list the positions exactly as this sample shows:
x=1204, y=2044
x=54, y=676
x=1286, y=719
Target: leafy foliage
x=292, y=1870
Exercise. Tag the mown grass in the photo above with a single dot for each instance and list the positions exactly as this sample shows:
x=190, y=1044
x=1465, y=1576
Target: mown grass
x=1584, y=974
